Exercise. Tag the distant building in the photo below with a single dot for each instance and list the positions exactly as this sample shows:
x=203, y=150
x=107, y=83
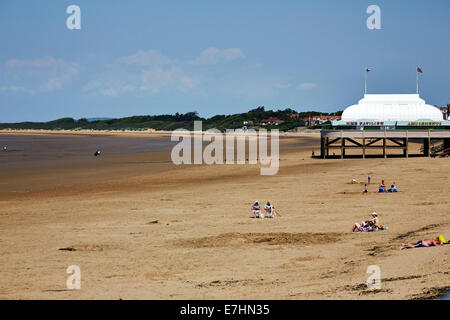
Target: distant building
x=271, y=121
x=315, y=120
x=387, y=122
x=392, y=107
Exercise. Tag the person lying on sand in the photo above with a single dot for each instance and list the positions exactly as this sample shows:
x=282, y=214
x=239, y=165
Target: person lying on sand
x=362, y=227
x=424, y=243
x=270, y=210
x=256, y=209
x=367, y=226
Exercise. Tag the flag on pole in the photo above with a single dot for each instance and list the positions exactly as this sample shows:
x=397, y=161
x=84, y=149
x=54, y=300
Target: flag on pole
x=365, y=80
x=419, y=70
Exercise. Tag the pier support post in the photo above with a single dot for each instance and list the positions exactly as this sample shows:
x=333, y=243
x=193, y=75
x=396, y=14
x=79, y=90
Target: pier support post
x=405, y=147
x=384, y=148
x=364, y=148
x=407, y=144
x=426, y=147
x=322, y=148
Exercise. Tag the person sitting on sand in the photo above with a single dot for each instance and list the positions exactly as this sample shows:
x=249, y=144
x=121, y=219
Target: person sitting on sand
x=382, y=187
x=270, y=209
x=393, y=188
x=366, y=189
x=367, y=226
x=256, y=209
x=375, y=221
x=422, y=244
x=97, y=153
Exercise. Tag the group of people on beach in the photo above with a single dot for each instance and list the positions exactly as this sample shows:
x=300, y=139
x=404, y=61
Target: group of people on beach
x=381, y=187
x=374, y=225
x=369, y=225
x=269, y=210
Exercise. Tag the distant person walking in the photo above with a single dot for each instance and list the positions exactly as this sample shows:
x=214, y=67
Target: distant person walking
x=368, y=179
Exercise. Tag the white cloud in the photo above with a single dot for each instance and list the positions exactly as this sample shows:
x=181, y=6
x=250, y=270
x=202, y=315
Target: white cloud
x=150, y=71
x=109, y=85
x=154, y=73
x=157, y=79
x=59, y=80
x=16, y=89
x=146, y=58
x=44, y=62
x=307, y=86
x=152, y=80
x=212, y=56
x=44, y=74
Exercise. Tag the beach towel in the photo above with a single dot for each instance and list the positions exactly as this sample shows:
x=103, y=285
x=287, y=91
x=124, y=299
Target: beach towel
x=370, y=229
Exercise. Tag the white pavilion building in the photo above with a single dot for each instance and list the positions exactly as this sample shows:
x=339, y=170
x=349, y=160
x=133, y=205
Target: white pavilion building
x=392, y=107
x=387, y=122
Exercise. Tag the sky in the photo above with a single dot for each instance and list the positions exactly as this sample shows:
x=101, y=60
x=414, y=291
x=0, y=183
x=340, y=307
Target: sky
x=215, y=57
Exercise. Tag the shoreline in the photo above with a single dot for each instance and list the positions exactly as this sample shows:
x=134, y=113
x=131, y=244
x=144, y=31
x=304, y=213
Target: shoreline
x=144, y=133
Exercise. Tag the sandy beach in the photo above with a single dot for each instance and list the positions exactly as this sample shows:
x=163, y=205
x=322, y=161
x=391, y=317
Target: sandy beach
x=140, y=227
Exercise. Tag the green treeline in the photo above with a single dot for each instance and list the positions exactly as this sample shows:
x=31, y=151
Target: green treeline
x=169, y=122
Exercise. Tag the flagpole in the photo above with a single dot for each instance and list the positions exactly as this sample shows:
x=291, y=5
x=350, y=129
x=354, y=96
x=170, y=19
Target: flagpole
x=365, y=81
x=417, y=81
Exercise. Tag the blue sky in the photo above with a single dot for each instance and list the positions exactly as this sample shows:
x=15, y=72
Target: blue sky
x=214, y=57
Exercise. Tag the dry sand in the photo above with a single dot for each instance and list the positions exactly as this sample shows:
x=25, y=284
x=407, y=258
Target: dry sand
x=204, y=245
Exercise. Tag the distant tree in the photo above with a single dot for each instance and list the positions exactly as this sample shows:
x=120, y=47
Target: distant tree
x=82, y=121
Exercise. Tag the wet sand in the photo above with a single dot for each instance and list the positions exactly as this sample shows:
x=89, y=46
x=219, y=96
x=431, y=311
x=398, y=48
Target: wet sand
x=54, y=194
